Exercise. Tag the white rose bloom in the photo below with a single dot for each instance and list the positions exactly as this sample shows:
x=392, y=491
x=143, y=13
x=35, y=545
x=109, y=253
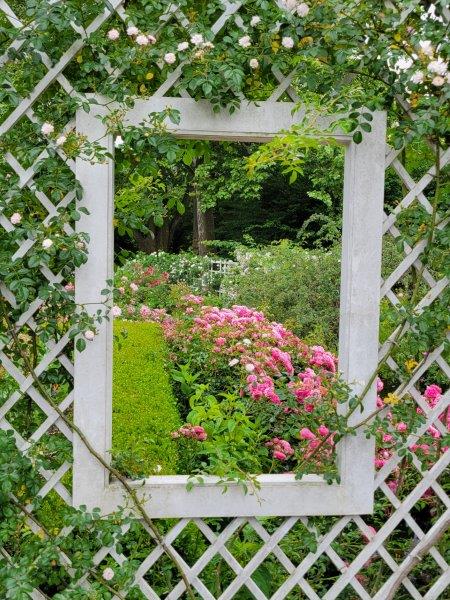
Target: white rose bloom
x=418, y=77
x=182, y=46
x=403, y=64
x=302, y=9
x=47, y=243
x=16, y=218
x=255, y=20
x=47, y=128
x=438, y=81
x=438, y=67
x=426, y=47
x=170, y=58
x=249, y=367
x=233, y=362
x=118, y=141
x=132, y=30
x=142, y=40
x=287, y=42
x=89, y=335
x=116, y=311
x=197, y=39
x=254, y=64
x=245, y=41
x=108, y=574
x=113, y=35
x=61, y=140
x=290, y=5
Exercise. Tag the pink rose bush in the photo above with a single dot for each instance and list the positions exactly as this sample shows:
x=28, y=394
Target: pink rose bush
x=255, y=397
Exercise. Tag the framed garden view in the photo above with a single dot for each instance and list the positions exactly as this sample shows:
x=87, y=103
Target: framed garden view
x=279, y=494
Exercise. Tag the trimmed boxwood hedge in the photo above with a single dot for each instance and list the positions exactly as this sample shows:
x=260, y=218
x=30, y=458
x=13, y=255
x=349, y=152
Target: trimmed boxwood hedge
x=144, y=407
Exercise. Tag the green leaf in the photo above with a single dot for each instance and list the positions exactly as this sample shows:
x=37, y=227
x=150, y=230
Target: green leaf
x=357, y=137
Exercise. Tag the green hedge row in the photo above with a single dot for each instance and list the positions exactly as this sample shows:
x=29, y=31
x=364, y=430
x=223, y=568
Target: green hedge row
x=144, y=408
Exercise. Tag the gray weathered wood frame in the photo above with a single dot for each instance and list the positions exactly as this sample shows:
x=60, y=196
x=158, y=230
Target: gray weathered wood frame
x=279, y=495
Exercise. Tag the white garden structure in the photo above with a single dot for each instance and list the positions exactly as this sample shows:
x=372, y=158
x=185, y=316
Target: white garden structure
x=90, y=484
x=358, y=356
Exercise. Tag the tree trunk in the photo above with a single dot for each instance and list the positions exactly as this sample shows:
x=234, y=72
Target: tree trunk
x=203, y=225
x=160, y=240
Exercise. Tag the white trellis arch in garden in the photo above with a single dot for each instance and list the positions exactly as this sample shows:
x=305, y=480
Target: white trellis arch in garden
x=272, y=535
x=167, y=496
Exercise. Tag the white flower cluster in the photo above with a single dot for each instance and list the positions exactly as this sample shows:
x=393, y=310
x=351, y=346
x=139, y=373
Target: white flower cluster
x=141, y=39
x=436, y=69
x=296, y=7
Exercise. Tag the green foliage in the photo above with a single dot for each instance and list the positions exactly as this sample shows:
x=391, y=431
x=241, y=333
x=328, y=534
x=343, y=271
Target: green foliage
x=295, y=286
x=144, y=408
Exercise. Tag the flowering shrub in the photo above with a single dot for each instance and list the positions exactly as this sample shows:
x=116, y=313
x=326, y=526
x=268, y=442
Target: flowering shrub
x=259, y=399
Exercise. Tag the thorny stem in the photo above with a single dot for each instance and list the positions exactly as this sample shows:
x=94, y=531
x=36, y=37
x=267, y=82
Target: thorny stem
x=113, y=471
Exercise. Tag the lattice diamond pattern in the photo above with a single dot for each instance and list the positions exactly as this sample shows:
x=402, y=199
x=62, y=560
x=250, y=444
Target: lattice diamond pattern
x=296, y=580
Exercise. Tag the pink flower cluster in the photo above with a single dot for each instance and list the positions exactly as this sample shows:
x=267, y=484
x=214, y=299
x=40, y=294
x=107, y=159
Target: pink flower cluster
x=281, y=449
x=194, y=432
x=269, y=355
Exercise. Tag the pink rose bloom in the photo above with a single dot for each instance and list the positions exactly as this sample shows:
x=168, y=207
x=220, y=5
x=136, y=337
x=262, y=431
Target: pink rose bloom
x=279, y=455
x=392, y=485
x=380, y=385
x=401, y=427
x=387, y=437
x=432, y=393
x=322, y=358
x=145, y=312
x=307, y=434
x=323, y=430
x=281, y=449
x=434, y=432
x=133, y=287
x=379, y=462
x=370, y=533
x=116, y=311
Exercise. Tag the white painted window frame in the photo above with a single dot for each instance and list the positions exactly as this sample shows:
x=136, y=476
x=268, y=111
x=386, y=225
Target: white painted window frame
x=281, y=494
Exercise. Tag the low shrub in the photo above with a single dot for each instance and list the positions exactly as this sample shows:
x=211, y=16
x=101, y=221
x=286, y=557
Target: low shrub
x=144, y=408
x=295, y=286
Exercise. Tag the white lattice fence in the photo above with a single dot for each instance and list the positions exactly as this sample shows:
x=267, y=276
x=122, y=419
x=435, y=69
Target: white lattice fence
x=273, y=539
